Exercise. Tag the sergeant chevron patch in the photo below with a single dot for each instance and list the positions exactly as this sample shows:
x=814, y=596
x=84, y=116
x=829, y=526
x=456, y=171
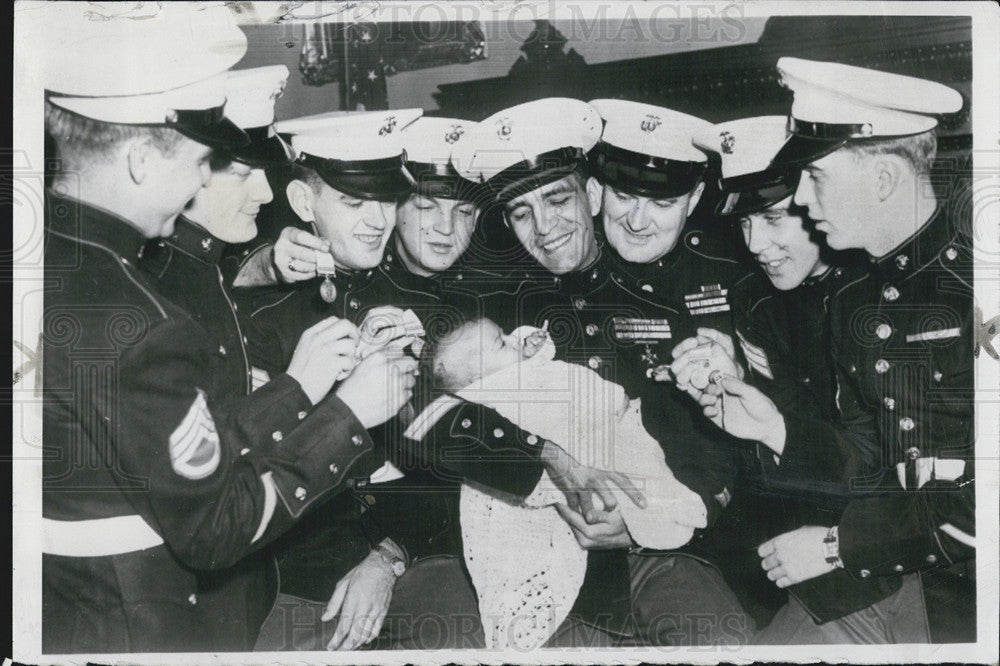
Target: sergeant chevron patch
x=756, y=357
x=194, y=446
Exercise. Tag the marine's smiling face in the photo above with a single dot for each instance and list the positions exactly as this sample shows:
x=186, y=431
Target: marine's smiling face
x=228, y=206
x=554, y=223
x=780, y=241
x=433, y=232
x=357, y=229
x=643, y=229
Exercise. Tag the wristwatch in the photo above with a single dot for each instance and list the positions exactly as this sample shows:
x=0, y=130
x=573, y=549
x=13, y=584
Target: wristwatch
x=831, y=544
x=396, y=564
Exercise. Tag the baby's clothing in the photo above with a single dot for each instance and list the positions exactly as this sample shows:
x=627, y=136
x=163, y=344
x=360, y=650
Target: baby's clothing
x=524, y=559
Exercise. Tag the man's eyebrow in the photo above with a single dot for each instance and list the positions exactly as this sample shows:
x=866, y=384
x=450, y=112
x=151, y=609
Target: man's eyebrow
x=562, y=188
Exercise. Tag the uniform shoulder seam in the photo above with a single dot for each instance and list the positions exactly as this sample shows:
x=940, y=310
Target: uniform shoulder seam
x=274, y=304
x=850, y=284
x=121, y=267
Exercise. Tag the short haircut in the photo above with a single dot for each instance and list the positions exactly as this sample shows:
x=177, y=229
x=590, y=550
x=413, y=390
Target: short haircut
x=309, y=177
x=80, y=140
x=919, y=150
x=449, y=374
x=220, y=160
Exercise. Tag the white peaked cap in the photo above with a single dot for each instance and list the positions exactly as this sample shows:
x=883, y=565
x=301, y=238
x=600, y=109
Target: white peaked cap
x=886, y=104
x=432, y=140
x=650, y=130
x=360, y=135
x=745, y=146
x=251, y=94
x=111, y=66
x=523, y=133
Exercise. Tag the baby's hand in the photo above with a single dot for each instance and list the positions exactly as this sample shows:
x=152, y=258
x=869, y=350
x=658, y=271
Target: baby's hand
x=532, y=343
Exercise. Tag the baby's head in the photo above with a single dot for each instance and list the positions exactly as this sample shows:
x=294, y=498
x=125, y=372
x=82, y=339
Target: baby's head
x=474, y=350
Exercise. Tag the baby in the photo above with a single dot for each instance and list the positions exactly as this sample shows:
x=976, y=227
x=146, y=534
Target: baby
x=522, y=556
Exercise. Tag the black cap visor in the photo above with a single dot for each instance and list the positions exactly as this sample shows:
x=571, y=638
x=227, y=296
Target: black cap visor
x=441, y=181
x=266, y=149
x=383, y=179
x=799, y=151
x=644, y=175
x=528, y=175
x=208, y=126
x=752, y=193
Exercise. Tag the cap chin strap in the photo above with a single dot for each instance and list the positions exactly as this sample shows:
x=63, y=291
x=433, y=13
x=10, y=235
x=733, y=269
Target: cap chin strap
x=830, y=131
x=382, y=179
x=530, y=174
x=644, y=175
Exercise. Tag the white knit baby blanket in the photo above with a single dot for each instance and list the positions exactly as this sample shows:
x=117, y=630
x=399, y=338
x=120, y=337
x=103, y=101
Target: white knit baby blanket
x=526, y=564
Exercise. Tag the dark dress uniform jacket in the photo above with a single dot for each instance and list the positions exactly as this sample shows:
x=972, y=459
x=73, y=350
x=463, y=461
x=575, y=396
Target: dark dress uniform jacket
x=785, y=338
x=902, y=340
x=419, y=512
x=163, y=478
x=619, y=321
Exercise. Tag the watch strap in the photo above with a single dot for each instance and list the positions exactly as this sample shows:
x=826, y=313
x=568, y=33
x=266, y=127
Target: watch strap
x=831, y=545
x=395, y=562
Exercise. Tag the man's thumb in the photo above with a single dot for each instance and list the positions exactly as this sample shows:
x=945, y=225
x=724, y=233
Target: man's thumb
x=732, y=385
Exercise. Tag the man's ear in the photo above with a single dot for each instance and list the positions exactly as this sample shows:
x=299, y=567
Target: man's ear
x=695, y=197
x=888, y=171
x=140, y=150
x=300, y=198
x=595, y=194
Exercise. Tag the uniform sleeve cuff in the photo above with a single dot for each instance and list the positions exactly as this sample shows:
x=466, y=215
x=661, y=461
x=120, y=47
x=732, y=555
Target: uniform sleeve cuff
x=868, y=548
x=330, y=450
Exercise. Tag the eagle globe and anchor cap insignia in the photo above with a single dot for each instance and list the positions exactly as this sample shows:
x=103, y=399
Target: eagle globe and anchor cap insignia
x=650, y=123
x=387, y=126
x=504, y=129
x=455, y=134
x=728, y=141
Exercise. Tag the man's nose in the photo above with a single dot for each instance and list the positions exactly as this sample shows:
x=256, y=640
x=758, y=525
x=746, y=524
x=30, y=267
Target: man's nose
x=206, y=173
x=547, y=221
x=444, y=221
x=374, y=215
x=804, y=194
x=756, y=238
x=261, y=189
x=637, y=217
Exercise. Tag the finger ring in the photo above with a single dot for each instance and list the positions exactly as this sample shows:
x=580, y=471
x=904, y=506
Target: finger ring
x=290, y=262
x=715, y=376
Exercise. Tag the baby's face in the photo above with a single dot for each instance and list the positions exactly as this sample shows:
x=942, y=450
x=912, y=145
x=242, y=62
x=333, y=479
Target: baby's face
x=492, y=347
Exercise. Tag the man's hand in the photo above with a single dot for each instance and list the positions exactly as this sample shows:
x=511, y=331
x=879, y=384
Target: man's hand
x=361, y=599
x=743, y=411
x=598, y=530
x=324, y=351
x=578, y=481
x=795, y=556
x=382, y=325
x=695, y=359
x=295, y=254
x=378, y=387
